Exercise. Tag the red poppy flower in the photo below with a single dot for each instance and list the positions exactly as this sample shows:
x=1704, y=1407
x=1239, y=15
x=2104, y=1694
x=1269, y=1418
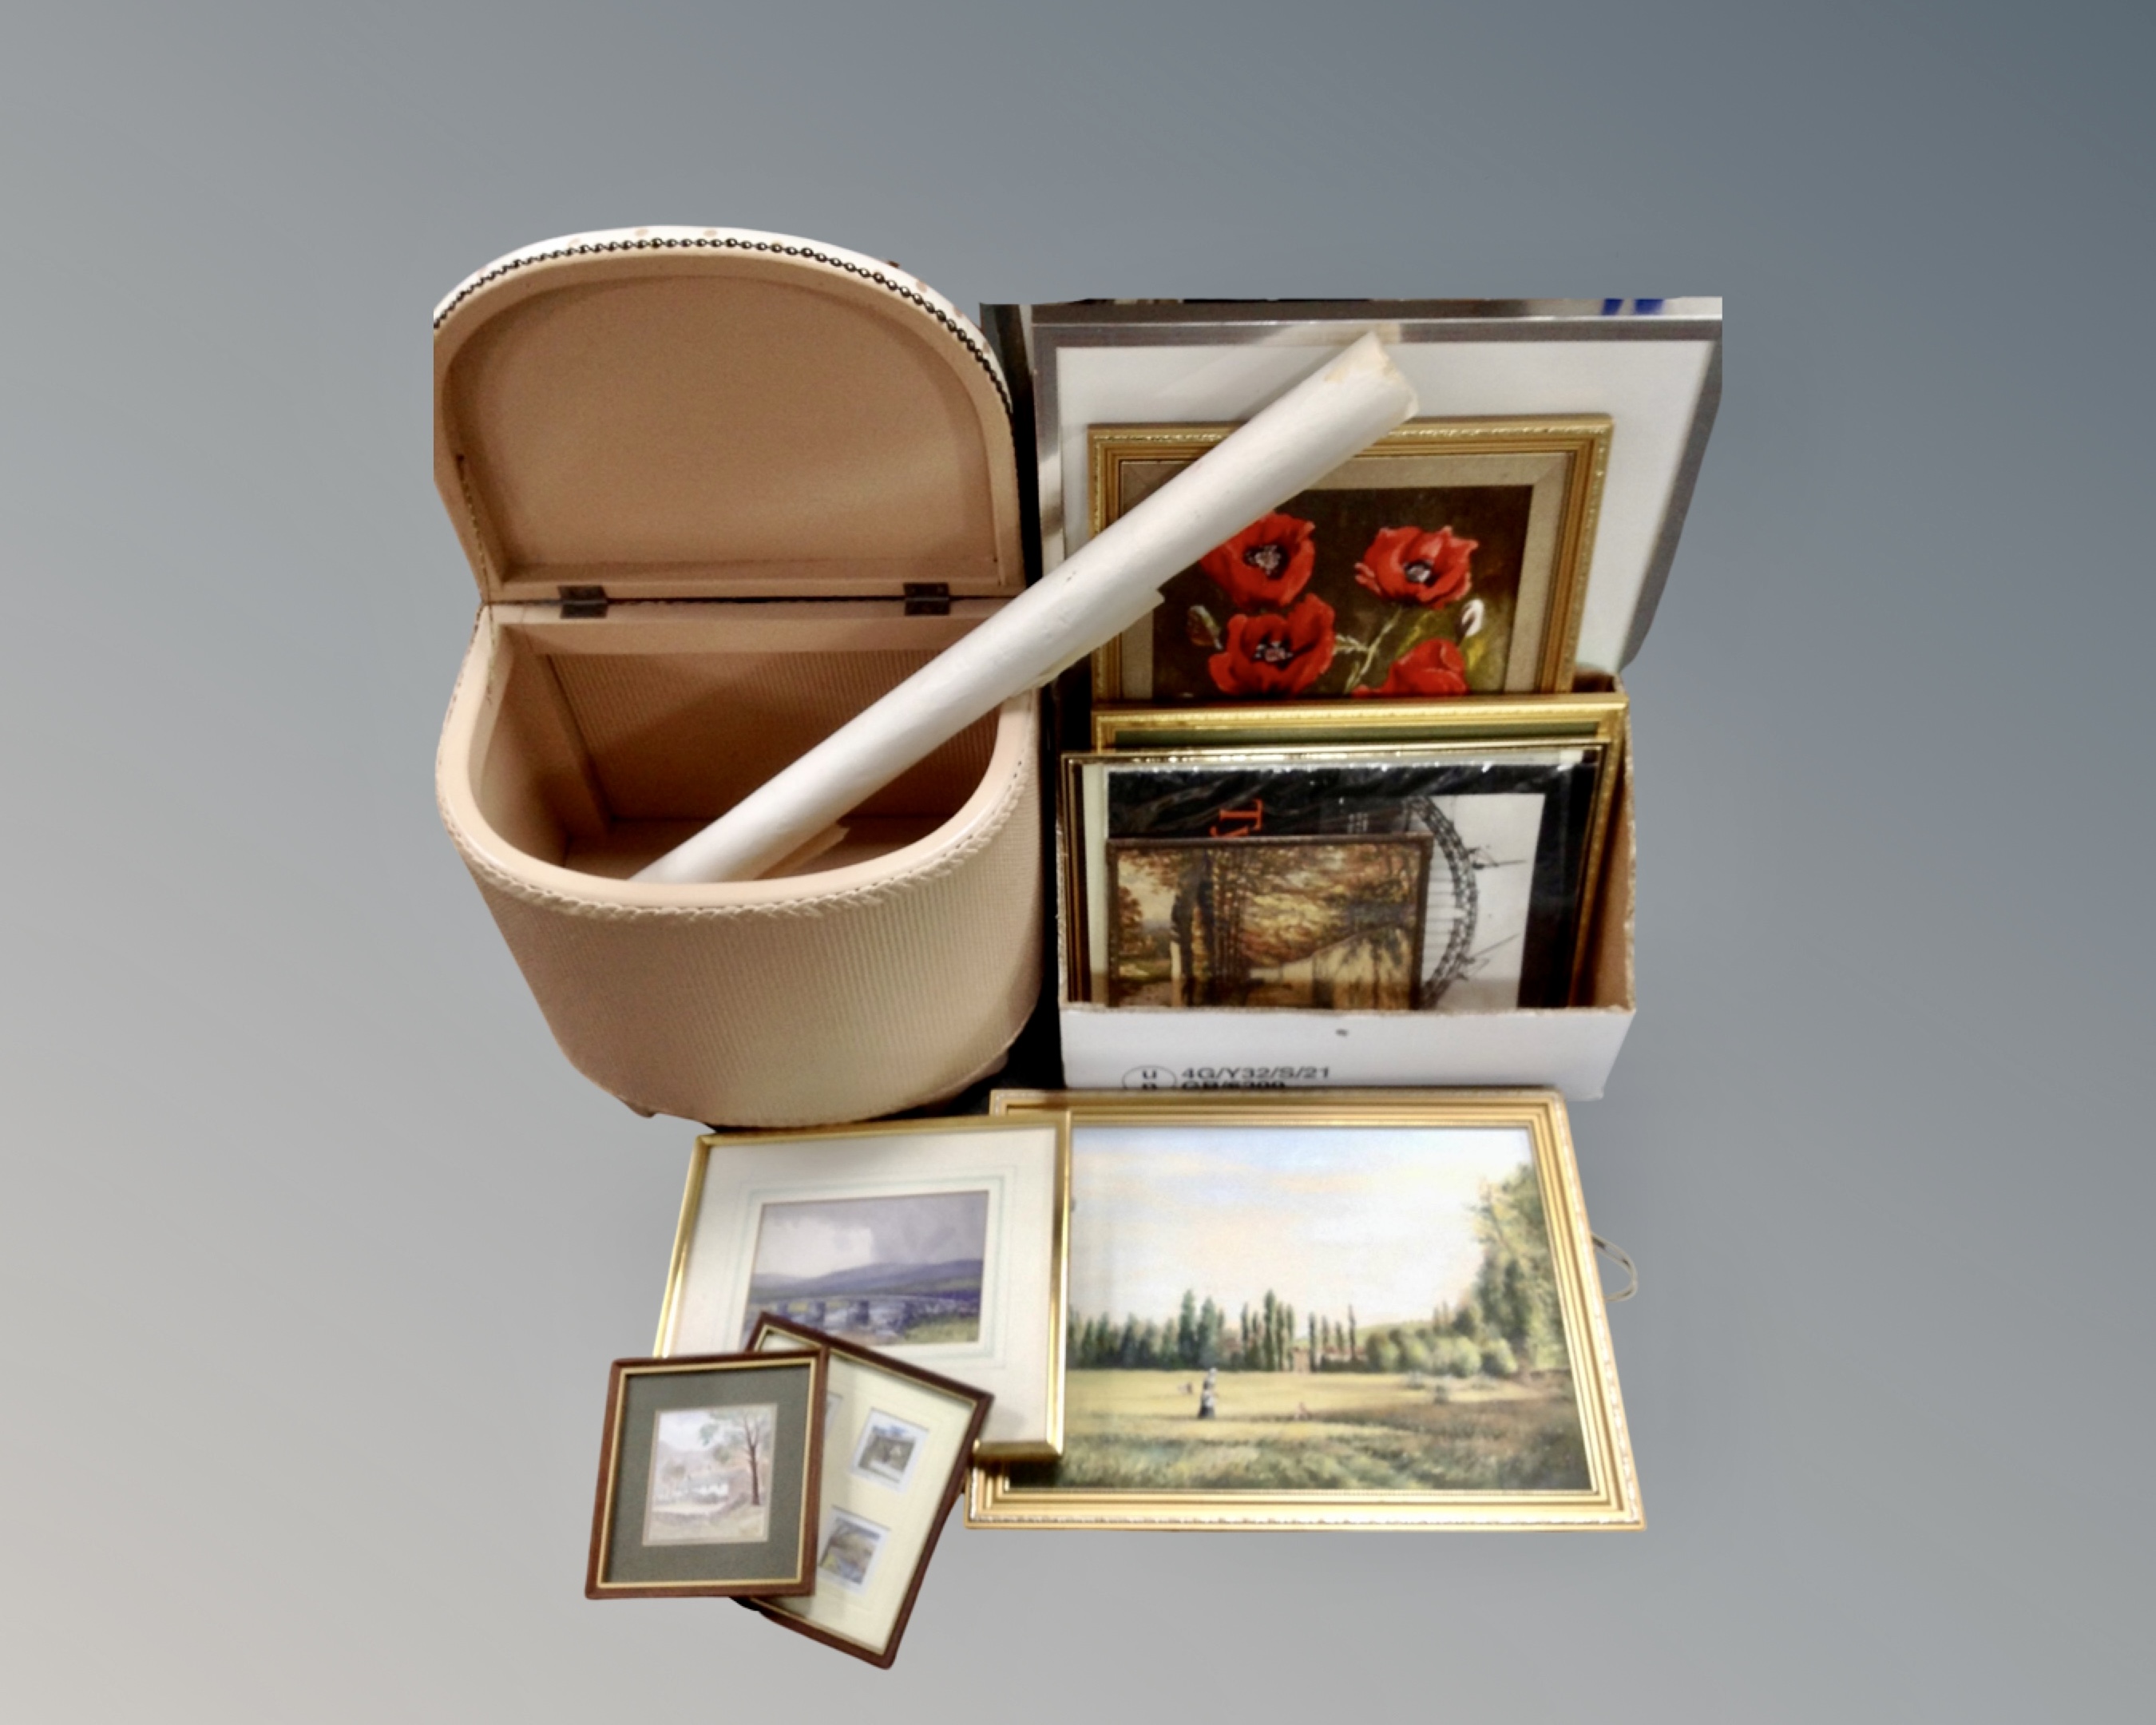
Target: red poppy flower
x=1407, y=564
x=1268, y=563
x=1274, y=652
x=1434, y=668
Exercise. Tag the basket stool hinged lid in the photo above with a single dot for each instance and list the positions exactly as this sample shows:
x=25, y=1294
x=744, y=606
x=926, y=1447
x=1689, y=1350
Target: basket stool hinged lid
x=708, y=413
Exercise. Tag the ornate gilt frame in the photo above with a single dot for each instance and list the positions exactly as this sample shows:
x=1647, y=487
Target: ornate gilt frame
x=1612, y=1499
x=1583, y=438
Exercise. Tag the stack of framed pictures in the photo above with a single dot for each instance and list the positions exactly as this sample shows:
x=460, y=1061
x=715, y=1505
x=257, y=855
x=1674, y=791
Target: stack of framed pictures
x=1440, y=857
x=1338, y=1309
x=807, y=1477
x=1317, y=840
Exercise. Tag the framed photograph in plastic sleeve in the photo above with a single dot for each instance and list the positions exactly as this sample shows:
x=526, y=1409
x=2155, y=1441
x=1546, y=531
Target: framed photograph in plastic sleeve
x=1443, y=877
x=896, y=1439
x=1332, y=1309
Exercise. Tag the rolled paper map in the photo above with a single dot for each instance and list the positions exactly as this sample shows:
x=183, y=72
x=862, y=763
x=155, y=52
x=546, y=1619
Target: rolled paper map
x=1105, y=587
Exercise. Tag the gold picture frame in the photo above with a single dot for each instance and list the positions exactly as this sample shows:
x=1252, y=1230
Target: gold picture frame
x=1600, y=719
x=1171, y=1187
x=1599, y=715
x=1423, y=744
x=745, y=1191
x=1528, y=492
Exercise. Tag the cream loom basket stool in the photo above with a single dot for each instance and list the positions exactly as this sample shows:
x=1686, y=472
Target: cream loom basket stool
x=722, y=490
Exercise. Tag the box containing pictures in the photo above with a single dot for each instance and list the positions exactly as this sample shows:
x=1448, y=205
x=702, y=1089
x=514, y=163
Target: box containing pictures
x=1352, y=806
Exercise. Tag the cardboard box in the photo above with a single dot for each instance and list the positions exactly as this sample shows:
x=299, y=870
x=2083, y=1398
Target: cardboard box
x=1652, y=367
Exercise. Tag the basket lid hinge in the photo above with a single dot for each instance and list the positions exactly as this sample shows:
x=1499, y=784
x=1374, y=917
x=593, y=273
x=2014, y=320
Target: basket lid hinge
x=927, y=599
x=583, y=602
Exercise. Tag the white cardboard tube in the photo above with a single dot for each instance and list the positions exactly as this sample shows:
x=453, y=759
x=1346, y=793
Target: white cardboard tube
x=1108, y=584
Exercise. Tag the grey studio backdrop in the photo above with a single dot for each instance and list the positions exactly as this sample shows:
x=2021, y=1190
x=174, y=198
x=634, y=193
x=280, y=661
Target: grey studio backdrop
x=314, y=1251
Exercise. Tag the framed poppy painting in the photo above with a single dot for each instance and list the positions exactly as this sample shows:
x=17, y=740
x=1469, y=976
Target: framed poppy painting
x=1449, y=558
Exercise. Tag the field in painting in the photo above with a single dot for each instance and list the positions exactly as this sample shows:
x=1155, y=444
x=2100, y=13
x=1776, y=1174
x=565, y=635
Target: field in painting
x=1349, y=1431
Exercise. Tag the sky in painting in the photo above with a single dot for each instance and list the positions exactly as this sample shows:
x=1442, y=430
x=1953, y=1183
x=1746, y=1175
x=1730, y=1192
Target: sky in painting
x=1377, y=1218
x=683, y=1428
x=822, y=1236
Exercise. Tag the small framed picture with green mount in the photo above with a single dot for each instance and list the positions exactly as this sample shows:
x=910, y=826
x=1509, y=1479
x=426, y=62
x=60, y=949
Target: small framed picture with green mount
x=1449, y=558
x=709, y=1474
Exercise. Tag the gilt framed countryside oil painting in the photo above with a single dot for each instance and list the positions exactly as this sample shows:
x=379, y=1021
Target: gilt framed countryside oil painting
x=938, y=1242
x=1449, y=558
x=1349, y=1309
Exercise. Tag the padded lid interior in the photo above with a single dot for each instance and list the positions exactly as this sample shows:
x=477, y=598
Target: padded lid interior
x=689, y=413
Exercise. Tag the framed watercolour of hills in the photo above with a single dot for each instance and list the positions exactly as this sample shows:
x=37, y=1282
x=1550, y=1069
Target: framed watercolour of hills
x=1334, y=1309
x=938, y=1242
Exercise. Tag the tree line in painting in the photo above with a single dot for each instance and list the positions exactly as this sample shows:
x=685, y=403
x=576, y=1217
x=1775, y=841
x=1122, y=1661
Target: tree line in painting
x=1508, y=1322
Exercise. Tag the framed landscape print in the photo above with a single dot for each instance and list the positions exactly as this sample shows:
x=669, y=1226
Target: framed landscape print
x=1449, y=879
x=1344, y=1309
x=896, y=1441
x=938, y=1242
x=1449, y=558
x=708, y=1478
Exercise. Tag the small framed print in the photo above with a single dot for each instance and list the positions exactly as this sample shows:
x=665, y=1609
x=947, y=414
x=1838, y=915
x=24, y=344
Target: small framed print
x=1351, y=1309
x=1453, y=877
x=708, y=1478
x=938, y=1242
x=1449, y=558
x=909, y=1434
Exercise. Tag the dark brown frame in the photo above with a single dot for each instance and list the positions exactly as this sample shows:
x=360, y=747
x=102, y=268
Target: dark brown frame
x=803, y=1580
x=953, y=1489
